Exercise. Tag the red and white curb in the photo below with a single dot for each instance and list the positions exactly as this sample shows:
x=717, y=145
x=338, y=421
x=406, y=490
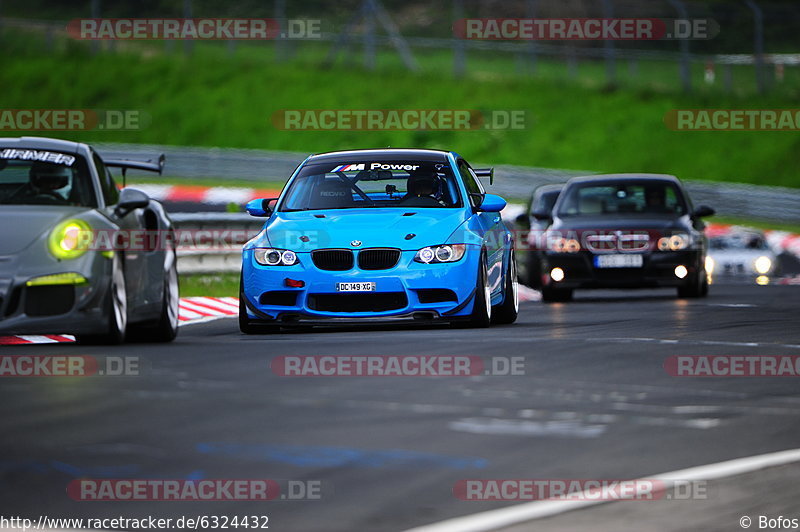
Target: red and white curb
x=36, y=339
x=201, y=309
x=202, y=194
x=190, y=310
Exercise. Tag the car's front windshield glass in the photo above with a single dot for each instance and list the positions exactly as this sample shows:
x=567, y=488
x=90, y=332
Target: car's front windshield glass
x=40, y=177
x=739, y=242
x=614, y=199
x=370, y=184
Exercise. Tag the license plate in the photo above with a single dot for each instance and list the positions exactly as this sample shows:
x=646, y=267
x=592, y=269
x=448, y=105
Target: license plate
x=355, y=287
x=618, y=261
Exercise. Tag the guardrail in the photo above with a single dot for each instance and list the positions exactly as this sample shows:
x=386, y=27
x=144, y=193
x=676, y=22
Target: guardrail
x=220, y=252
x=515, y=182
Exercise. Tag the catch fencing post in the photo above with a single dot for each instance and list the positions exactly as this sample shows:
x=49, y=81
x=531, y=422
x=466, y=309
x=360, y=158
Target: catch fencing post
x=686, y=77
x=95, y=9
x=530, y=12
x=608, y=46
x=187, y=14
x=369, y=35
x=459, y=62
x=758, y=44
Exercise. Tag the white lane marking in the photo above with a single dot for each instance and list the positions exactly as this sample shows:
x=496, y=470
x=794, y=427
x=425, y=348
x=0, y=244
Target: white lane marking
x=731, y=305
x=515, y=427
x=521, y=513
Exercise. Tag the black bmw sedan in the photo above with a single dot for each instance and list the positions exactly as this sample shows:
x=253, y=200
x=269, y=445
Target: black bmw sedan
x=624, y=231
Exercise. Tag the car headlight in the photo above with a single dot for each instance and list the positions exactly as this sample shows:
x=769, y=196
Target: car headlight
x=275, y=257
x=675, y=242
x=762, y=265
x=565, y=245
x=70, y=239
x=709, y=264
x=443, y=253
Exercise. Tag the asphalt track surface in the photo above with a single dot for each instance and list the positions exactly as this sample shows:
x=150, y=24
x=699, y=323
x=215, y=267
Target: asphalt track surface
x=595, y=402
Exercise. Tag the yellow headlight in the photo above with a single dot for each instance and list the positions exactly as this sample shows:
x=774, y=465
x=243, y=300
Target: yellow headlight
x=70, y=239
x=57, y=278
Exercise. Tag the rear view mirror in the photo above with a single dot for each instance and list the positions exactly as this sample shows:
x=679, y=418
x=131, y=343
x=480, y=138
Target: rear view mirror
x=130, y=199
x=541, y=215
x=702, y=211
x=492, y=203
x=260, y=207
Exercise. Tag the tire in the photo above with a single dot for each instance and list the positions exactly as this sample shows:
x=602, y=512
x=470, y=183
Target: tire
x=246, y=326
x=166, y=329
x=481, y=315
x=556, y=295
x=117, y=308
x=534, y=275
x=507, y=311
x=698, y=287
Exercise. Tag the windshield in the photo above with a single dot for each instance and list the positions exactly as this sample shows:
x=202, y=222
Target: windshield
x=545, y=201
x=33, y=177
x=748, y=241
x=651, y=197
x=369, y=184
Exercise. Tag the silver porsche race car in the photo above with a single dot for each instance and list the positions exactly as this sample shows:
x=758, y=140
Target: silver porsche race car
x=77, y=255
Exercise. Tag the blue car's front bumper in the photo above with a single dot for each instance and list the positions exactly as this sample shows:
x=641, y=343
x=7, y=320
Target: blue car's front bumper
x=410, y=289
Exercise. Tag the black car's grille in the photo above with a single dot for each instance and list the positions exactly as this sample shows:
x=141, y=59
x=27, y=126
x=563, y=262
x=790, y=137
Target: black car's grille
x=337, y=260
x=358, y=302
x=378, y=258
x=49, y=300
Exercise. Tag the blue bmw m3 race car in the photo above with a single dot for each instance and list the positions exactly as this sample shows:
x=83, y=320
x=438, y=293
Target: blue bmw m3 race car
x=379, y=234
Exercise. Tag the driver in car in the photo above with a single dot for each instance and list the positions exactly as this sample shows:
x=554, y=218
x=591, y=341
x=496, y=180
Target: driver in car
x=422, y=185
x=48, y=181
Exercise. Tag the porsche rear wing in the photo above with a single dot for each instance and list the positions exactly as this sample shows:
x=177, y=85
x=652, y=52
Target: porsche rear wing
x=149, y=165
x=485, y=172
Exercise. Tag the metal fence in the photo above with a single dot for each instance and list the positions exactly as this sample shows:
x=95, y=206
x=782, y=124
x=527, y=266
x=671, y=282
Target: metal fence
x=756, y=47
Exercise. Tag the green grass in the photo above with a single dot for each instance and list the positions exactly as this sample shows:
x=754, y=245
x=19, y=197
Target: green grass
x=215, y=99
x=216, y=285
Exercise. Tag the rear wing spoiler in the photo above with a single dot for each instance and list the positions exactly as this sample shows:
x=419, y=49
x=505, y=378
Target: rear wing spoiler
x=485, y=172
x=149, y=165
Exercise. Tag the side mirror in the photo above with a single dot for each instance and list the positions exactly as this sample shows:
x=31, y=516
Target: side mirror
x=542, y=215
x=702, y=211
x=259, y=207
x=129, y=200
x=492, y=203
x=522, y=220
